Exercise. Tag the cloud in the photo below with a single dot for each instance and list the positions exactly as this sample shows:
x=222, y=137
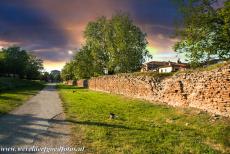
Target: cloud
x=52, y=28
x=29, y=27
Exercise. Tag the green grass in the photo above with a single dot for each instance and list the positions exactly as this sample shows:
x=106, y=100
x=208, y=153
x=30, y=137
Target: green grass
x=13, y=92
x=141, y=127
x=207, y=68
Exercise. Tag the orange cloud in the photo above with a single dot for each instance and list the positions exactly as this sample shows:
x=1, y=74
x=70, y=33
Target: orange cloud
x=5, y=44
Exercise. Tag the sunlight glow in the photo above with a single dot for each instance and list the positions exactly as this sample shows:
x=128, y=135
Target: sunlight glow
x=70, y=52
x=51, y=65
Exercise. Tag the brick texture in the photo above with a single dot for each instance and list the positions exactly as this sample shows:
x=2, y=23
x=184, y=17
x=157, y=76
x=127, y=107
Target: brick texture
x=205, y=90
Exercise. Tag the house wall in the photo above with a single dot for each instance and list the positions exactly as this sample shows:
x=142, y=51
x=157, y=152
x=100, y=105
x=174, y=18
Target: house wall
x=207, y=90
x=165, y=70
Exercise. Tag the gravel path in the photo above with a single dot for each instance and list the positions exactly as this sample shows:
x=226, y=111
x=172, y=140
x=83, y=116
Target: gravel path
x=39, y=122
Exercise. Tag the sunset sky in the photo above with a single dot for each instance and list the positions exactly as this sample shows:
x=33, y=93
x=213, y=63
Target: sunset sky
x=52, y=29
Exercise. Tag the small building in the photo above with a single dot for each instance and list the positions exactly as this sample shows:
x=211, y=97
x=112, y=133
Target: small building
x=153, y=66
x=164, y=67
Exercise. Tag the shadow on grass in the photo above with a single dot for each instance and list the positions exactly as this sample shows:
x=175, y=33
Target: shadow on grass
x=22, y=89
x=99, y=124
x=6, y=98
x=24, y=129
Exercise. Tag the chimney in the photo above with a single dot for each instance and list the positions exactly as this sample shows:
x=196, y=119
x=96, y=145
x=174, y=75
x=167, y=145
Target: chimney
x=169, y=62
x=178, y=61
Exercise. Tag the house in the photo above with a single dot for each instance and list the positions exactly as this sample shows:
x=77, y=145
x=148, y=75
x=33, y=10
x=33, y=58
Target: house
x=173, y=67
x=153, y=66
x=164, y=67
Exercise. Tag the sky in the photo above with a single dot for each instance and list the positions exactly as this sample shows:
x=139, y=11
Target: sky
x=53, y=29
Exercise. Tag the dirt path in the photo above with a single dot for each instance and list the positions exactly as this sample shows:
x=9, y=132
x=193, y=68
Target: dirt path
x=39, y=122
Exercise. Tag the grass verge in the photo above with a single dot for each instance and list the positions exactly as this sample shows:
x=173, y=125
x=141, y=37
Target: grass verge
x=13, y=92
x=141, y=127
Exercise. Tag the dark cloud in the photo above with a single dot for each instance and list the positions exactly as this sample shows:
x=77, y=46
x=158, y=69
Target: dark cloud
x=30, y=27
x=52, y=27
x=160, y=12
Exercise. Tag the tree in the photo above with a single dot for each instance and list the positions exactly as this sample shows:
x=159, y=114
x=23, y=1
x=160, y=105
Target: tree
x=84, y=66
x=202, y=36
x=18, y=62
x=2, y=63
x=115, y=44
x=45, y=76
x=224, y=44
x=96, y=44
x=15, y=61
x=34, y=67
x=55, y=76
x=127, y=45
x=67, y=72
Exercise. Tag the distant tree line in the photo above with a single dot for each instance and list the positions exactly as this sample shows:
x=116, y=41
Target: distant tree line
x=16, y=62
x=204, y=31
x=53, y=76
x=113, y=45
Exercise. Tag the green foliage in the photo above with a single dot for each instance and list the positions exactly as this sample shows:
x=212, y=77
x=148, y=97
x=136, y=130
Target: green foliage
x=141, y=127
x=67, y=72
x=96, y=48
x=55, y=76
x=83, y=64
x=33, y=67
x=115, y=44
x=2, y=64
x=204, y=35
x=224, y=13
x=45, y=76
x=206, y=68
x=18, y=62
x=15, y=61
x=127, y=46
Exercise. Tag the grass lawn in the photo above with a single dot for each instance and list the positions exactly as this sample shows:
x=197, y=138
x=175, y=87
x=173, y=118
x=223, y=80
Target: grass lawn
x=13, y=92
x=141, y=127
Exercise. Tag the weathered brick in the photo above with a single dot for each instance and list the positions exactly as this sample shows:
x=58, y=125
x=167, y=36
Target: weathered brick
x=207, y=90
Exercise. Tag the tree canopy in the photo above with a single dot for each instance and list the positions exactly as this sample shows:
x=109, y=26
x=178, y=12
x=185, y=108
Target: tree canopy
x=204, y=33
x=19, y=62
x=115, y=44
x=67, y=72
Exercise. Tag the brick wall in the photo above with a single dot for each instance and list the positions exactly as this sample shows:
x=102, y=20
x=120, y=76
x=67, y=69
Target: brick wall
x=69, y=82
x=206, y=90
x=82, y=83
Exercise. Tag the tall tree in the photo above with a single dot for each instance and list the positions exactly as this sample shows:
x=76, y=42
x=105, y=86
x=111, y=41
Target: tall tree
x=55, y=75
x=84, y=66
x=96, y=43
x=16, y=61
x=115, y=44
x=127, y=45
x=202, y=36
x=67, y=72
x=2, y=63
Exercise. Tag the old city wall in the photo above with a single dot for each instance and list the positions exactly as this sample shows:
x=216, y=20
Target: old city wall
x=205, y=90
